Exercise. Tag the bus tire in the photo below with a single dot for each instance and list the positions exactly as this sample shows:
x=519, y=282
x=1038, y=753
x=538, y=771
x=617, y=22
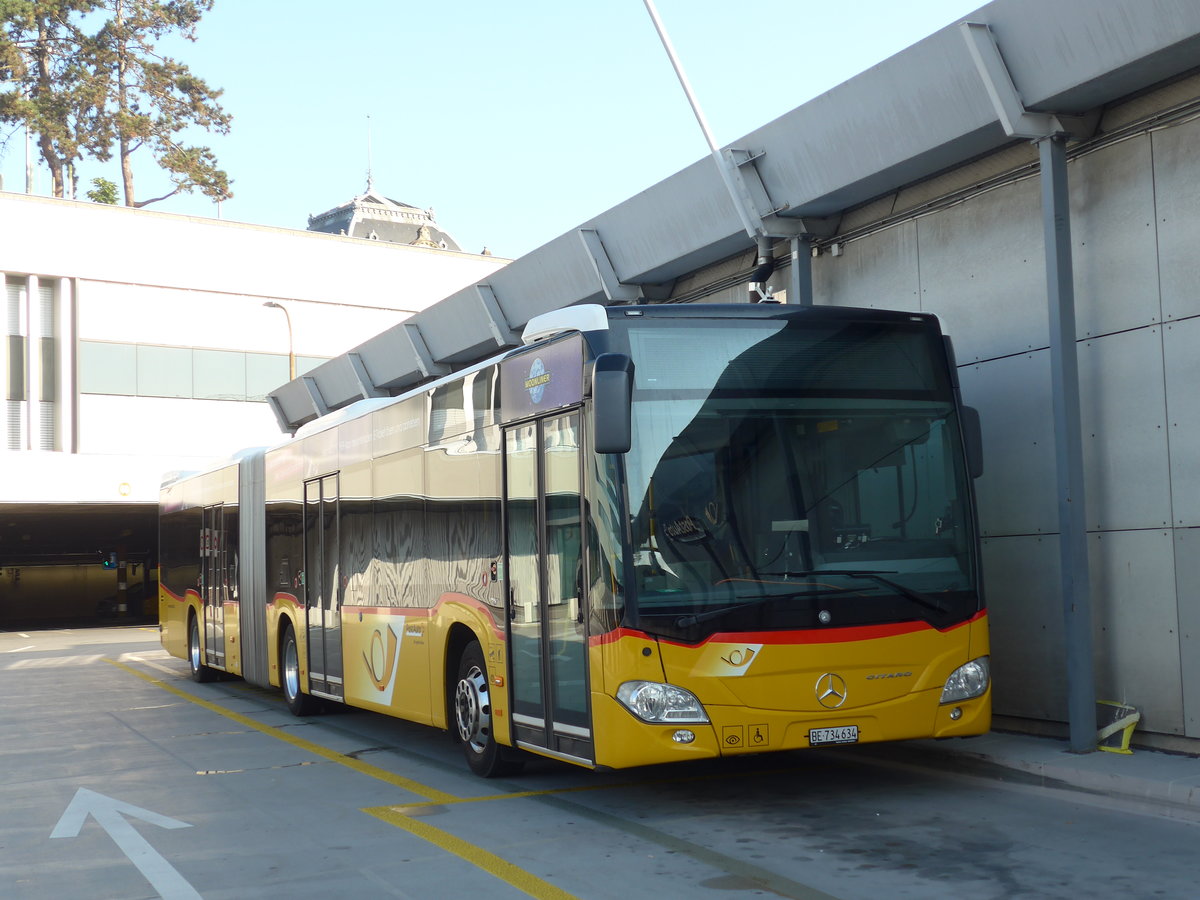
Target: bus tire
x=200, y=672
x=473, y=718
x=298, y=702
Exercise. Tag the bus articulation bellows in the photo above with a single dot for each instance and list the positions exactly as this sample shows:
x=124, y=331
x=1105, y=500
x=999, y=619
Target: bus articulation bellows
x=654, y=533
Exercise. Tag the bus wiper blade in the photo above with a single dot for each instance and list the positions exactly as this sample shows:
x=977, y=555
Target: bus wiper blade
x=915, y=596
x=697, y=618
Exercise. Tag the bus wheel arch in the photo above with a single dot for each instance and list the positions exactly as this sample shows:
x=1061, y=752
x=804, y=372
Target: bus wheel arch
x=199, y=671
x=458, y=639
x=298, y=702
x=471, y=715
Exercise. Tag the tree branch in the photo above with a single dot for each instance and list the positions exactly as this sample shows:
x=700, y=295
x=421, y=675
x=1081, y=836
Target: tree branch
x=140, y=203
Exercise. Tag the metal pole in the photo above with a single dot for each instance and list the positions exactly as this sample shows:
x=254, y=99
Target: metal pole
x=271, y=304
x=722, y=164
x=28, y=161
x=1068, y=442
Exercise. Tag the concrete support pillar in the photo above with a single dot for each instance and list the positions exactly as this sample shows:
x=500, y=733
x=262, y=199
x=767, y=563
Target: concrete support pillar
x=33, y=364
x=6, y=373
x=1068, y=442
x=68, y=354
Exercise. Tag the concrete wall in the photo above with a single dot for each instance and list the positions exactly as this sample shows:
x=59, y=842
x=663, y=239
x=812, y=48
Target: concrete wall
x=979, y=265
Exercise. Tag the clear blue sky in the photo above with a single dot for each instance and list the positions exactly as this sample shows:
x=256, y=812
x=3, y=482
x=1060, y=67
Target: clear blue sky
x=516, y=121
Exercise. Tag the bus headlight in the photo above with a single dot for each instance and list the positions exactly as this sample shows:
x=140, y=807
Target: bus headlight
x=661, y=703
x=967, y=681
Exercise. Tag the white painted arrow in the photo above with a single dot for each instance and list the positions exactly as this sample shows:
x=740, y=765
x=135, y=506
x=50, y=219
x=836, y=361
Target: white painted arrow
x=110, y=815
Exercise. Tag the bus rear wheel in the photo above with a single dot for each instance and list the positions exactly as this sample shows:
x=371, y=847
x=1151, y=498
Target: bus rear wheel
x=200, y=672
x=473, y=718
x=298, y=702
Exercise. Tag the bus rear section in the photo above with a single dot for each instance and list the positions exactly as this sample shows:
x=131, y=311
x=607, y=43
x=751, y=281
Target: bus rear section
x=210, y=537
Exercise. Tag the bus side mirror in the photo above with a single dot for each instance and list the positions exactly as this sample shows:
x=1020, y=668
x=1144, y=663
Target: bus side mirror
x=612, y=402
x=973, y=439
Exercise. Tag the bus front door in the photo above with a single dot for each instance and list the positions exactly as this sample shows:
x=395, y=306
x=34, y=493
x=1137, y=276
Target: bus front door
x=546, y=603
x=215, y=573
x=322, y=586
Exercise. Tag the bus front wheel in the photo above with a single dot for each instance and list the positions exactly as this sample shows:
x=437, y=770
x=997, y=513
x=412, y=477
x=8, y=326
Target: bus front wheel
x=473, y=718
x=298, y=702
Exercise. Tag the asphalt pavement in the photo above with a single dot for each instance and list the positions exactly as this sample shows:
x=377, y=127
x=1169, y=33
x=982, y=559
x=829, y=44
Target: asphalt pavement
x=1144, y=781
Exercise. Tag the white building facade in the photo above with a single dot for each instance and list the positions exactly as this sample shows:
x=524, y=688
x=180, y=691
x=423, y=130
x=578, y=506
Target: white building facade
x=138, y=342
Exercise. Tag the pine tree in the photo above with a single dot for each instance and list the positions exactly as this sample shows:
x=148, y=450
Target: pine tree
x=47, y=84
x=82, y=91
x=152, y=97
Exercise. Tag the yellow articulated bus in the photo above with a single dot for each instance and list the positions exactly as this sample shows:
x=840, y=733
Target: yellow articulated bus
x=653, y=533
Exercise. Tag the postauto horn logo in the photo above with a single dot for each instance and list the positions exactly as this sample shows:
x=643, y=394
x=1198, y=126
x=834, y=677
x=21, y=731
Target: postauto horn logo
x=537, y=380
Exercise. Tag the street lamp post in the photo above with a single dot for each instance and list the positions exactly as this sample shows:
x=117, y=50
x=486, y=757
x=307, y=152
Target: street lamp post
x=271, y=304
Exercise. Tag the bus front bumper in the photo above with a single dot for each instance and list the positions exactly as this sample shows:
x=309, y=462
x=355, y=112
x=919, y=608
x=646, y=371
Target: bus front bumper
x=622, y=740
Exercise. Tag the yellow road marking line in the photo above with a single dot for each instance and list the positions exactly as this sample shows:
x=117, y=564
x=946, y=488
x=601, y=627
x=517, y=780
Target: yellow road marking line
x=545, y=792
x=489, y=862
x=431, y=795
x=363, y=768
x=615, y=786
x=397, y=814
x=476, y=856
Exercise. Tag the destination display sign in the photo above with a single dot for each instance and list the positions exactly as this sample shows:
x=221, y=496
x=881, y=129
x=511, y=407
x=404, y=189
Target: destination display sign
x=545, y=378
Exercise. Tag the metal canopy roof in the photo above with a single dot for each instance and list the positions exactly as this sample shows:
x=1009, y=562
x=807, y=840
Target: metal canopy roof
x=918, y=113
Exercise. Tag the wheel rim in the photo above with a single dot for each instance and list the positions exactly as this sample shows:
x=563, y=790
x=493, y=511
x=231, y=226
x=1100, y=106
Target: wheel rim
x=291, y=670
x=194, y=646
x=473, y=709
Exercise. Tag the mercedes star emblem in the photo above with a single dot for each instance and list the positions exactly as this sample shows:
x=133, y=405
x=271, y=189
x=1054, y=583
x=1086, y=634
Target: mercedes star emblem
x=831, y=690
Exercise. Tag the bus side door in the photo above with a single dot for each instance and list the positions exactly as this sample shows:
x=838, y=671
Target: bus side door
x=322, y=585
x=544, y=570
x=215, y=574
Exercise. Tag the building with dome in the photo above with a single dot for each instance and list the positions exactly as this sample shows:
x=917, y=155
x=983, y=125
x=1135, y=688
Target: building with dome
x=375, y=217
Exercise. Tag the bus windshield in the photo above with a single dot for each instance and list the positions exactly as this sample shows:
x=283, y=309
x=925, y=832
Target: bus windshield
x=788, y=474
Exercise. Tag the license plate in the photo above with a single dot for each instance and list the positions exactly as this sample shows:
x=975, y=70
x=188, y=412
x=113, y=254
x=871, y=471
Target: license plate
x=844, y=734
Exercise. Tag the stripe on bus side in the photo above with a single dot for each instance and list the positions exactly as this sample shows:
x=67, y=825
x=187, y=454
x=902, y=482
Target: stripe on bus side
x=805, y=636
